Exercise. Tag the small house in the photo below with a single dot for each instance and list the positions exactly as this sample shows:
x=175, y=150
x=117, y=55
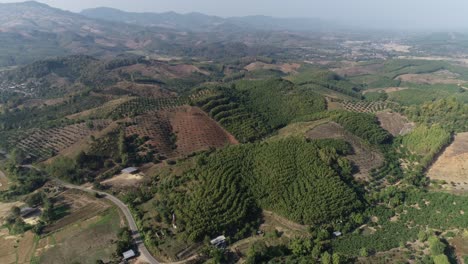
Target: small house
x=337, y=233
x=130, y=170
x=219, y=242
x=128, y=254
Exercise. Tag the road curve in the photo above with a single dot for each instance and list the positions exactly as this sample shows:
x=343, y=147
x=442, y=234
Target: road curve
x=128, y=215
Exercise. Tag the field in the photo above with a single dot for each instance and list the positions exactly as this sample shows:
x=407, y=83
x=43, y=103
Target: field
x=363, y=157
x=385, y=90
x=180, y=131
x=85, y=241
x=395, y=123
x=452, y=164
x=196, y=131
x=76, y=206
x=366, y=107
x=442, y=76
x=285, y=68
x=43, y=143
x=83, y=234
x=297, y=129
x=16, y=249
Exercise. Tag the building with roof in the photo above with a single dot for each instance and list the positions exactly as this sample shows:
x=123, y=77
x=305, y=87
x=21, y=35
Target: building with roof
x=130, y=170
x=128, y=254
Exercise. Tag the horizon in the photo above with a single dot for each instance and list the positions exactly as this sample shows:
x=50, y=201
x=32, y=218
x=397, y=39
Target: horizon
x=417, y=15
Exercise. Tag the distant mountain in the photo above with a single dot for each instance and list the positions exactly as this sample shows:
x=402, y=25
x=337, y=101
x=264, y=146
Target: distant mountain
x=31, y=31
x=201, y=22
x=172, y=20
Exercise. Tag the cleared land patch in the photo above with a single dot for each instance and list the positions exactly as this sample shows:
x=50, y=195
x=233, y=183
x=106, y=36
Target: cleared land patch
x=452, y=165
x=124, y=180
x=86, y=241
x=285, y=68
x=180, y=131
x=363, y=157
x=395, y=123
x=385, y=90
x=438, y=77
x=76, y=206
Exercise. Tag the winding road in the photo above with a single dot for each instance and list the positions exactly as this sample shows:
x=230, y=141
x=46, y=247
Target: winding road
x=128, y=215
x=144, y=252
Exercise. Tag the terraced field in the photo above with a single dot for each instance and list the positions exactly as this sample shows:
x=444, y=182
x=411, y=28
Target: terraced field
x=43, y=143
x=367, y=107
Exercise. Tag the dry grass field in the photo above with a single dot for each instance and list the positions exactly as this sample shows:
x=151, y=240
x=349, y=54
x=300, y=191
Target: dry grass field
x=395, y=123
x=85, y=241
x=452, y=165
x=439, y=77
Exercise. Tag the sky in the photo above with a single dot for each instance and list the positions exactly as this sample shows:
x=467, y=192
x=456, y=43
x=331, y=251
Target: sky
x=443, y=14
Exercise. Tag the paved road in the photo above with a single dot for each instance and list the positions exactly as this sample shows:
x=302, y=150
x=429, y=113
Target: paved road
x=131, y=222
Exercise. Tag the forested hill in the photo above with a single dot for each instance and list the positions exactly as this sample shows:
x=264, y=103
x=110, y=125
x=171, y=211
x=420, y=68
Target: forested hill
x=305, y=182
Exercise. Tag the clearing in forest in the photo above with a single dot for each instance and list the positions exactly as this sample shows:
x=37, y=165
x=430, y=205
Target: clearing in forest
x=452, y=165
x=364, y=157
x=180, y=131
x=438, y=77
x=395, y=123
x=196, y=131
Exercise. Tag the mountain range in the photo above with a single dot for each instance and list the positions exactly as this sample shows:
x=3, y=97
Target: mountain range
x=30, y=31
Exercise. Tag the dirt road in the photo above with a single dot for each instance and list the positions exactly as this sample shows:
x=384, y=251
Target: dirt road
x=128, y=215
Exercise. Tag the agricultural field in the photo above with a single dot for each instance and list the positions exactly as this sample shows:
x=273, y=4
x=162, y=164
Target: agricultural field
x=76, y=206
x=44, y=143
x=367, y=107
x=85, y=241
x=335, y=151
x=196, y=131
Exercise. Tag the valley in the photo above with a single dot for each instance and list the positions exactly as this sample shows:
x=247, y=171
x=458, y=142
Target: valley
x=188, y=138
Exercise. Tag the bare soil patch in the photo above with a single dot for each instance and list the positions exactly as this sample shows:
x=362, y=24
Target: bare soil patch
x=285, y=68
x=196, y=131
x=452, y=165
x=4, y=182
x=385, y=90
x=353, y=69
x=395, y=123
x=162, y=70
x=180, y=131
x=439, y=77
x=364, y=157
x=125, y=180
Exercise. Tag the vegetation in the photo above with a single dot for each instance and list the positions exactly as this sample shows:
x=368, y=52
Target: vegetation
x=365, y=126
x=310, y=172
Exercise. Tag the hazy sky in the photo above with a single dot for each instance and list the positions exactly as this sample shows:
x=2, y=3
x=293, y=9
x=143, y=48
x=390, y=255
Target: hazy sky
x=399, y=13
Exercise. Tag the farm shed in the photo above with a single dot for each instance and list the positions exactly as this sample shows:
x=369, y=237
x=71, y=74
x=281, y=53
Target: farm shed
x=130, y=170
x=128, y=254
x=219, y=241
x=337, y=233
